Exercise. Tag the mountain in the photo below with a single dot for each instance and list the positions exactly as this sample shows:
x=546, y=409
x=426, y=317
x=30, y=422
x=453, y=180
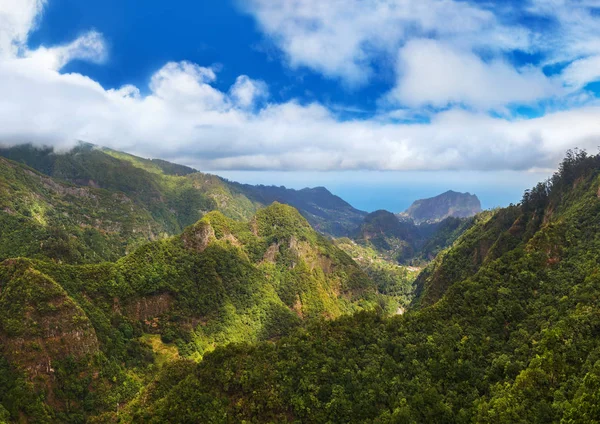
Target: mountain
x=177, y=196
x=326, y=212
x=448, y=204
x=400, y=240
x=78, y=339
x=113, y=309
x=42, y=217
x=506, y=329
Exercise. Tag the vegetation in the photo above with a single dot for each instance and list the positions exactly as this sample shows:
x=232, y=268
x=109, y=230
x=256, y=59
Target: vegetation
x=400, y=240
x=177, y=196
x=514, y=338
x=89, y=204
x=392, y=280
x=221, y=281
x=263, y=319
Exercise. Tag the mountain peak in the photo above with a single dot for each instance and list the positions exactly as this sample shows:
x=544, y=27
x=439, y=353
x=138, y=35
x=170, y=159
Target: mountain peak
x=448, y=204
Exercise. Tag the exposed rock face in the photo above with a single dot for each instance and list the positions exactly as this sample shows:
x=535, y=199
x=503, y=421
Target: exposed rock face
x=149, y=307
x=438, y=208
x=271, y=253
x=199, y=236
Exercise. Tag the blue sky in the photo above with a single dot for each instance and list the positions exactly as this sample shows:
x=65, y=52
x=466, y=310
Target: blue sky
x=366, y=97
x=140, y=39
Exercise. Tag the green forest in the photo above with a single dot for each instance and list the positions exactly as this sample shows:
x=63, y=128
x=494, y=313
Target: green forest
x=136, y=291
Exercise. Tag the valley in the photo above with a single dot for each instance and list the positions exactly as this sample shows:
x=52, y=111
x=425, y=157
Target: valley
x=124, y=278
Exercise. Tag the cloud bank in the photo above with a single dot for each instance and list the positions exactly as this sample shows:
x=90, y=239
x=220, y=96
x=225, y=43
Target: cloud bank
x=183, y=117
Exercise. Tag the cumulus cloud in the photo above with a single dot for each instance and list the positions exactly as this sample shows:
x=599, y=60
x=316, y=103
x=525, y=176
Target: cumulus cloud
x=432, y=73
x=342, y=38
x=465, y=57
x=246, y=92
x=183, y=115
x=17, y=18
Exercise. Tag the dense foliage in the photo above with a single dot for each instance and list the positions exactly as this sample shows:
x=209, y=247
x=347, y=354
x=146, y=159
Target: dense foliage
x=90, y=204
x=393, y=280
x=400, y=240
x=263, y=319
x=513, y=335
x=219, y=282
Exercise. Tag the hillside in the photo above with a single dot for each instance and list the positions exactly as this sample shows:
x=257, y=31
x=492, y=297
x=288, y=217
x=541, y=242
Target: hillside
x=448, y=204
x=75, y=333
x=400, y=240
x=176, y=195
x=509, y=333
x=174, y=201
x=327, y=213
x=41, y=217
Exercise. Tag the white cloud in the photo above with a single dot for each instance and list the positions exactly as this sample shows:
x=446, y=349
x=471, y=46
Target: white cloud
x=186, y=85
x=342, y=38
x=183, y=115
x=17, y=18
x=89, y=47
x=432, y=73
x=575, y=37
x=582, y=71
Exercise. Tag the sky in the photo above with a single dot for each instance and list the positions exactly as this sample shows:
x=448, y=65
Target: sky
x=381, y=101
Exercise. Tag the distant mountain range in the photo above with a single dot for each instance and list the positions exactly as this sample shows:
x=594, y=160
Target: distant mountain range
x=326, y=212
x=448, y=204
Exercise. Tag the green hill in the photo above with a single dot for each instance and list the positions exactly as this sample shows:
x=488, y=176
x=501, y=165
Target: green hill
x=177, y=196
x=41, y=217
x=506, y=332
x=221, y=281
x=327, y=213
x=402, y=241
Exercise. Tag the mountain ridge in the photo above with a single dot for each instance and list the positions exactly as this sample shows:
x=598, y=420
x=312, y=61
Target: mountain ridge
x=178, y=195
x=448, y=204
x=513, y=338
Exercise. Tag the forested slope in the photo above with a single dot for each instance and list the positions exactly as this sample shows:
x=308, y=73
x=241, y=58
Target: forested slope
x=513, y=338
x=177, y=196
x=75, y=339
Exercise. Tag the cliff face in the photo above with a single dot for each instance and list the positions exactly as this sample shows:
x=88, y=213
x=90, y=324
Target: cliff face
x=449, y=204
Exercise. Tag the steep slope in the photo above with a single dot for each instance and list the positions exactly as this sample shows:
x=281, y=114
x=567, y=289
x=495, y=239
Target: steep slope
x=513, y=339
x=327, y=213
x=219, y=282
x=448, y=204
x=174, y=195
x=41, y=217
x=395, y=281
x=399, y=239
